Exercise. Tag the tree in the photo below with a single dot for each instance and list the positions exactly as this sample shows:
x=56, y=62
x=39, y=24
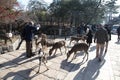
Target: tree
x=111, y=8
x=37, y=10
x=8, y=10
x=78, y=11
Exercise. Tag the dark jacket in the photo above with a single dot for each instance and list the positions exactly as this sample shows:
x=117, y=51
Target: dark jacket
x=29, y=32
x=101, y=36
x=89, y=37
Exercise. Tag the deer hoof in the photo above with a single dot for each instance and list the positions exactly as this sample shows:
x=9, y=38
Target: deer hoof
x=37, y=72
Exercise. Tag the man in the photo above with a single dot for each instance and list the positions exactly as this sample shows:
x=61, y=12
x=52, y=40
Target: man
x=28, y=36
x=101, y=38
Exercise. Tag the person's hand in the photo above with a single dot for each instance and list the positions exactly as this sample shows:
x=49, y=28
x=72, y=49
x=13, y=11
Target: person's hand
x=38, y=28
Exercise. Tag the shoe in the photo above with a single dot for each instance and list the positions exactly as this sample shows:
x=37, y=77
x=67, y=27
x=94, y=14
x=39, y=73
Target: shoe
x=28, y=56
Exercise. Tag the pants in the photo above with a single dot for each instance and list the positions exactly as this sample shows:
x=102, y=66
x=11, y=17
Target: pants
x=99, y=50
x=28, y=48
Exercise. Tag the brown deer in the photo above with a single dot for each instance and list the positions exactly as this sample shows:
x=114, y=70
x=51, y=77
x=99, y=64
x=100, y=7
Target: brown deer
x=78, y=47
x=43, y=36
x=75, y=38
x=5, y=38
x=45, y=42
x=56, y=46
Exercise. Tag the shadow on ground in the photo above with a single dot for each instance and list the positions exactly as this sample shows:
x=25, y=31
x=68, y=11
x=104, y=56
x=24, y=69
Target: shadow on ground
x=70, y=66
x=26, y=74
x=92, y=48
x=91, y=71
x=118, y=42
x=17, y=61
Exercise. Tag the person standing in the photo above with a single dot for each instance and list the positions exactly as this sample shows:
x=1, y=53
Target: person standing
x=89, y=37
x=101, y=39
x=107, y=27
x=28, y=36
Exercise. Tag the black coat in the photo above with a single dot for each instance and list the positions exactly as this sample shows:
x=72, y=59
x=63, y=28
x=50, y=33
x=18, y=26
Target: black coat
x=89, y=37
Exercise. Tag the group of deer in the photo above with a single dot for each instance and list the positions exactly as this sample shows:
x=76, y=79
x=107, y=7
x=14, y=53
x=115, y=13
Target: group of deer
x=58, y=45
x=47, y=43
x=82, y=46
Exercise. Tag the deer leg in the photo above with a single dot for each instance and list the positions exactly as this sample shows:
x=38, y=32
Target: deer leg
x=10, y=40
x=87, y=55
x=46, y=59
x=55, y=51
x=60, y=50
x=84, y=56
x=74, y=56
x=65, y=49
x=39, y=64
x=45, y=64
x=70, y=42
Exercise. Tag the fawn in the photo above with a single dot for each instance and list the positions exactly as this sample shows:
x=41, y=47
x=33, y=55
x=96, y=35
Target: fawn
x=56, y=46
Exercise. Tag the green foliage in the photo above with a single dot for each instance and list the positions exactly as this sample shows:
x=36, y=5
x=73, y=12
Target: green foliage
x=73, y=11
x=37, y=10
x=77, y=10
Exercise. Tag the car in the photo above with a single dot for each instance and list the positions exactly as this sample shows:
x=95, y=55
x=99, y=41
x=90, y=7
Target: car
x=114, y=29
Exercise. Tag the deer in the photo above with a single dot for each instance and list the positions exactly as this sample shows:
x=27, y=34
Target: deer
x=78, y=47
x=75, y=38
x=45, y=42
x=42, y=58
x=5, y=38
x=43, y=36
x=72, y=38
x=56, y=46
